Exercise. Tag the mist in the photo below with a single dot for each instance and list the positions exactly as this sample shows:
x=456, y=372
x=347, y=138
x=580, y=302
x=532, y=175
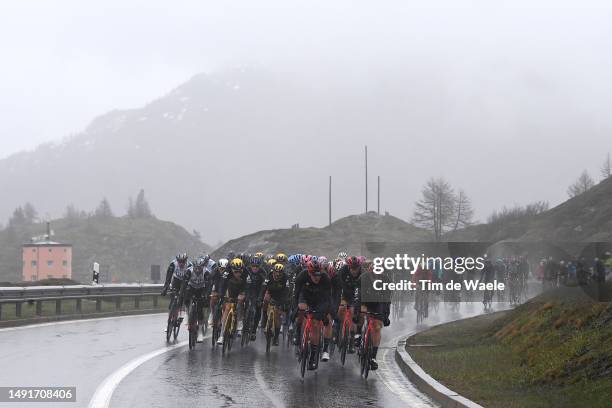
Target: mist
x=509, y=101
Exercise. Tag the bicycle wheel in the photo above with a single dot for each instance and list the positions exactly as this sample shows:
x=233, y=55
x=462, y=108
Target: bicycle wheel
x=367, y=355
x=170, y=324
x=304, y=357
x=193, y=327
x=344, y=344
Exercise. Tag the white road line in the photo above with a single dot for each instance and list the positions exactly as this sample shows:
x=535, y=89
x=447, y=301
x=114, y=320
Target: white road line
x=393, y=378
x=104, y=392
x=76, y=321
x=264, y=387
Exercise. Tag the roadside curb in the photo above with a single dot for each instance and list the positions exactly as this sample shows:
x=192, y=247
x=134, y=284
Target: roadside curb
x=50, y=319
x=424, y=382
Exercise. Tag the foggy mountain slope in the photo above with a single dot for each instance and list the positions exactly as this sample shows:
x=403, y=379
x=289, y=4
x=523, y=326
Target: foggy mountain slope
x=127, y=246
x=587, y=217
x=346, y=234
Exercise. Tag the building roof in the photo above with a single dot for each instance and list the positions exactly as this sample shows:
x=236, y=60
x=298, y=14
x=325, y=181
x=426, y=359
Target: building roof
x=45, y=244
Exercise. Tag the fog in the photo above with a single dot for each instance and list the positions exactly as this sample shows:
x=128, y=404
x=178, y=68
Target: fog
x=508, y=100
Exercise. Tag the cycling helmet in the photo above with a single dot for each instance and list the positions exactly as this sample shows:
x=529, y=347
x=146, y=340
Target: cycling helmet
x=314, y=258
x=305, y=259
x=223, y=262
x=206, y=258
x=338, y=265
x=323, y=259
x=280, y=257
x=255, y=261
x=342, y=255
x=294, y=259
x=278, y=267
x=353, y=262
x=181, y=258
x=362, y=259
x=259, y=254
x=236, y=264
x=271, y=261
x=314, y=268
x=201, y=262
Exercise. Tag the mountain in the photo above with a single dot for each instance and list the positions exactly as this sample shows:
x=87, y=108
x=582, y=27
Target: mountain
x=346, y=234
x=128, y=247
x=587, y=217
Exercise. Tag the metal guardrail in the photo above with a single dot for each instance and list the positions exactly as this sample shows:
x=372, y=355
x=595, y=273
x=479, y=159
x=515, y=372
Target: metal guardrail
x=38, y=294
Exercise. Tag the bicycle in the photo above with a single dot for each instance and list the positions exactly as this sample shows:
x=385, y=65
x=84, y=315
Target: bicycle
x=217, y=314
x=345, y=334
x=365, y=348
x=192, y=321
x=230, y=326
x=175, y=315
x=248, y=323
x=271, y=323
x=421, y=305
x=305, y=344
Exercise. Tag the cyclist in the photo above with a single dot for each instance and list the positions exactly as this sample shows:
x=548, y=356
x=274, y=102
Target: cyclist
x=312, y=291
x=232, y=289
x=198, y=281
x=420, y=278
x=175, y=274
x=215, y=278
x=486, y=276
x=255, y=277
x=276, y=289
x=377, y=302
x=349, y=278
x=336, y=293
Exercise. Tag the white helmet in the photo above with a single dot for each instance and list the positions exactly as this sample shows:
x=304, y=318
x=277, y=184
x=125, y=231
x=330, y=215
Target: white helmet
x=342, y=255
x=223, y=262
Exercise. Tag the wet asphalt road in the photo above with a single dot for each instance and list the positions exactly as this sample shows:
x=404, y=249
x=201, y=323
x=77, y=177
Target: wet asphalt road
x=84, y=353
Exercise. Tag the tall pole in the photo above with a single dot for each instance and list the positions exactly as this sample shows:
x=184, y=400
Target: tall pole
x=366, y=179
x=329, y=200
x=378, y=195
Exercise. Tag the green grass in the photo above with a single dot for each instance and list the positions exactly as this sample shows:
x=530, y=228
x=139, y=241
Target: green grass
x=554, y=351
x=87, y=307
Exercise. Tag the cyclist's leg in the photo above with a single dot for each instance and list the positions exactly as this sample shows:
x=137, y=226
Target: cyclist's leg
x=240, y=309
x=214, y=298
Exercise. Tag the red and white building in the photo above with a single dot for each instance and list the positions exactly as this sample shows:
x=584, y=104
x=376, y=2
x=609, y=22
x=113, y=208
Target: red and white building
x=46, y=259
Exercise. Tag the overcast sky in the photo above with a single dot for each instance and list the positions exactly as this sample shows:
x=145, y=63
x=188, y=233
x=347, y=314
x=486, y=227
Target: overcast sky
x=519, y=64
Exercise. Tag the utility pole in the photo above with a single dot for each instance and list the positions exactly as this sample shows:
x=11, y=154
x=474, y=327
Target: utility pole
x=329, y=200
x=378, y=195
x=366, y=179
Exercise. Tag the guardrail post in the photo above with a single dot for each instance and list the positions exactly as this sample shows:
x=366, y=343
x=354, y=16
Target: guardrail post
x=137, y=302
x=18, y=309
x=155, y=301
x=118, y=303
x=38, y=308
x=98, y=305
x=79, y=306
x=58, y=306
x=0, y=311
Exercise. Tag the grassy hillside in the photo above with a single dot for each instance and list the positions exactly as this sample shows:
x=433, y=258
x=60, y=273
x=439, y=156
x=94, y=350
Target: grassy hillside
x=348, y=234
x=587, y=217
x=553, y=351
x=128, y=246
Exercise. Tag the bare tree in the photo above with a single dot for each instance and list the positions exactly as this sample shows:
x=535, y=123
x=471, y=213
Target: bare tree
x=517, y=212
x=436, y=209
x=464, y=212
x=605, y=168
x=581, y=185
